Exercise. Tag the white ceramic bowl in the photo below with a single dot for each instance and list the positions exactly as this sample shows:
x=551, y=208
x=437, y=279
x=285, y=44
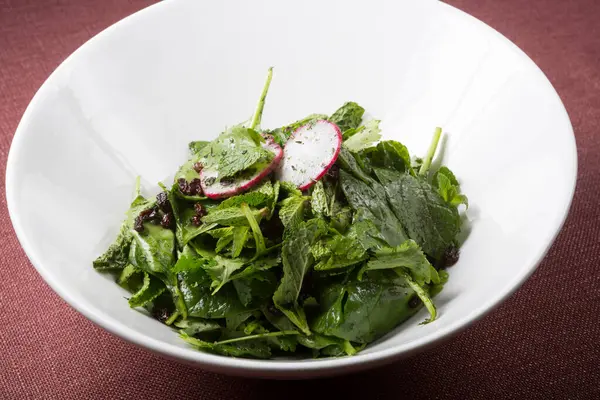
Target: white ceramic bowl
x=128, y=101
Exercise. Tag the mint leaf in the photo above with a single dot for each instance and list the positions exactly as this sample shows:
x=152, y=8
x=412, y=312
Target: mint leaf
x=348, y=116
x=296, y=262
x=409, y=256
x=150, y=290
x=231, y=216
x=291, y=212
x=448, y=187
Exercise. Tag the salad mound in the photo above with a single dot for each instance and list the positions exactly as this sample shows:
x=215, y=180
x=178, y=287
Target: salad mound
x=315, y=238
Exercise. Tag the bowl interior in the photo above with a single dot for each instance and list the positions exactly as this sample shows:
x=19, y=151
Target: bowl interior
x=128, y=102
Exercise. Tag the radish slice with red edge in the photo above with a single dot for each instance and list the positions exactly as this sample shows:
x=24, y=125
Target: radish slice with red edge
x=309, y=153
x=215, y=189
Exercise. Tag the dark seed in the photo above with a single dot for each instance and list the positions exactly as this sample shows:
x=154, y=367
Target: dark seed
x=184, y=186
x=198, y=166
x=334, y=172
x=227, y=181
x=450, y=257
x=196, y=187
x=161, y=314
x=209, y=181
x=166, y=220
x=162, y=200
x=138, y=224
x=414, y=302
x=274, y=310
x=196, y=220
x=199, y=209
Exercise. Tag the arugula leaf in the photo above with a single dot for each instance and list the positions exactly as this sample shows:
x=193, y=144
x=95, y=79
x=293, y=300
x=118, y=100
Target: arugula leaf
x=150, y=290
x=408, y=255
x=370, y=204
x=348, y=116
x=291, y=212
x=363, y=311
x=448, y=187
x=296, y=262
x=364, y=138
x=428, y=219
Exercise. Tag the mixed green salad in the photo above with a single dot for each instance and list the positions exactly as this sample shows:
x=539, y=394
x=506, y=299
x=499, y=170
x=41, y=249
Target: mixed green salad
x=315, y=238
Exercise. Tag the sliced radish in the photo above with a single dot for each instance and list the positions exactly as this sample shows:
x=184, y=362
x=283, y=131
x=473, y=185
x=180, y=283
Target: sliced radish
x=215, y=189
x=309, y=153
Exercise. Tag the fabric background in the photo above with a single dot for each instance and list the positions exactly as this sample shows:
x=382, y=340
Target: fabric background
x=543, y=343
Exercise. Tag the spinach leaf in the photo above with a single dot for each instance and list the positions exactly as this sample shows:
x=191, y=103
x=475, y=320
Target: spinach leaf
x=363, y=311
x=348, y=116
x=428, y=219
x=296, y=262
x=195, y=285
x=369, y=134
x=370, y=204
x=257, y=289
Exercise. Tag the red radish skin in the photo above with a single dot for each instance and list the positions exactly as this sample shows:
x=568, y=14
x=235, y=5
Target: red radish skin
x=218, y=191
x=309, y=153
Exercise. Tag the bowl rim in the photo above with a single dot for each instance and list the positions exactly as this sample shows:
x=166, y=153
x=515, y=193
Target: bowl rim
x=277, y=368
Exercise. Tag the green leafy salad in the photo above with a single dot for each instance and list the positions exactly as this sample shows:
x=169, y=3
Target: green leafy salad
x=315, y=238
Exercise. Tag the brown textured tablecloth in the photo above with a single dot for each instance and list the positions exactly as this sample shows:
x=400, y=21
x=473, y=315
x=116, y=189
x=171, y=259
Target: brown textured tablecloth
x=543, y=343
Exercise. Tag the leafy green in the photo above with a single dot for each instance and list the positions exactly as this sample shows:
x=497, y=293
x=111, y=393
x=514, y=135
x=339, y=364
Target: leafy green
x=197, y=326
x=197, y=145
x=318, y=201
x=261, y=196
x=292, y=210
x=428, y=219
x=231, y=216
x=259, y=239
x=348, y=116
x=369, y=203
x=363, y=311
x=240, y=236
x=117, y=254
x=282, y=135
x=150, y=290
x=390, y=154
x=296, y=262
x=365, y=137
x=448, y=187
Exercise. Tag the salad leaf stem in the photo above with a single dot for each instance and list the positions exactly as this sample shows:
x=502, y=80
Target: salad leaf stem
x=261, y=102
x=258, y=336
x=432, y=147
x=421, y=293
